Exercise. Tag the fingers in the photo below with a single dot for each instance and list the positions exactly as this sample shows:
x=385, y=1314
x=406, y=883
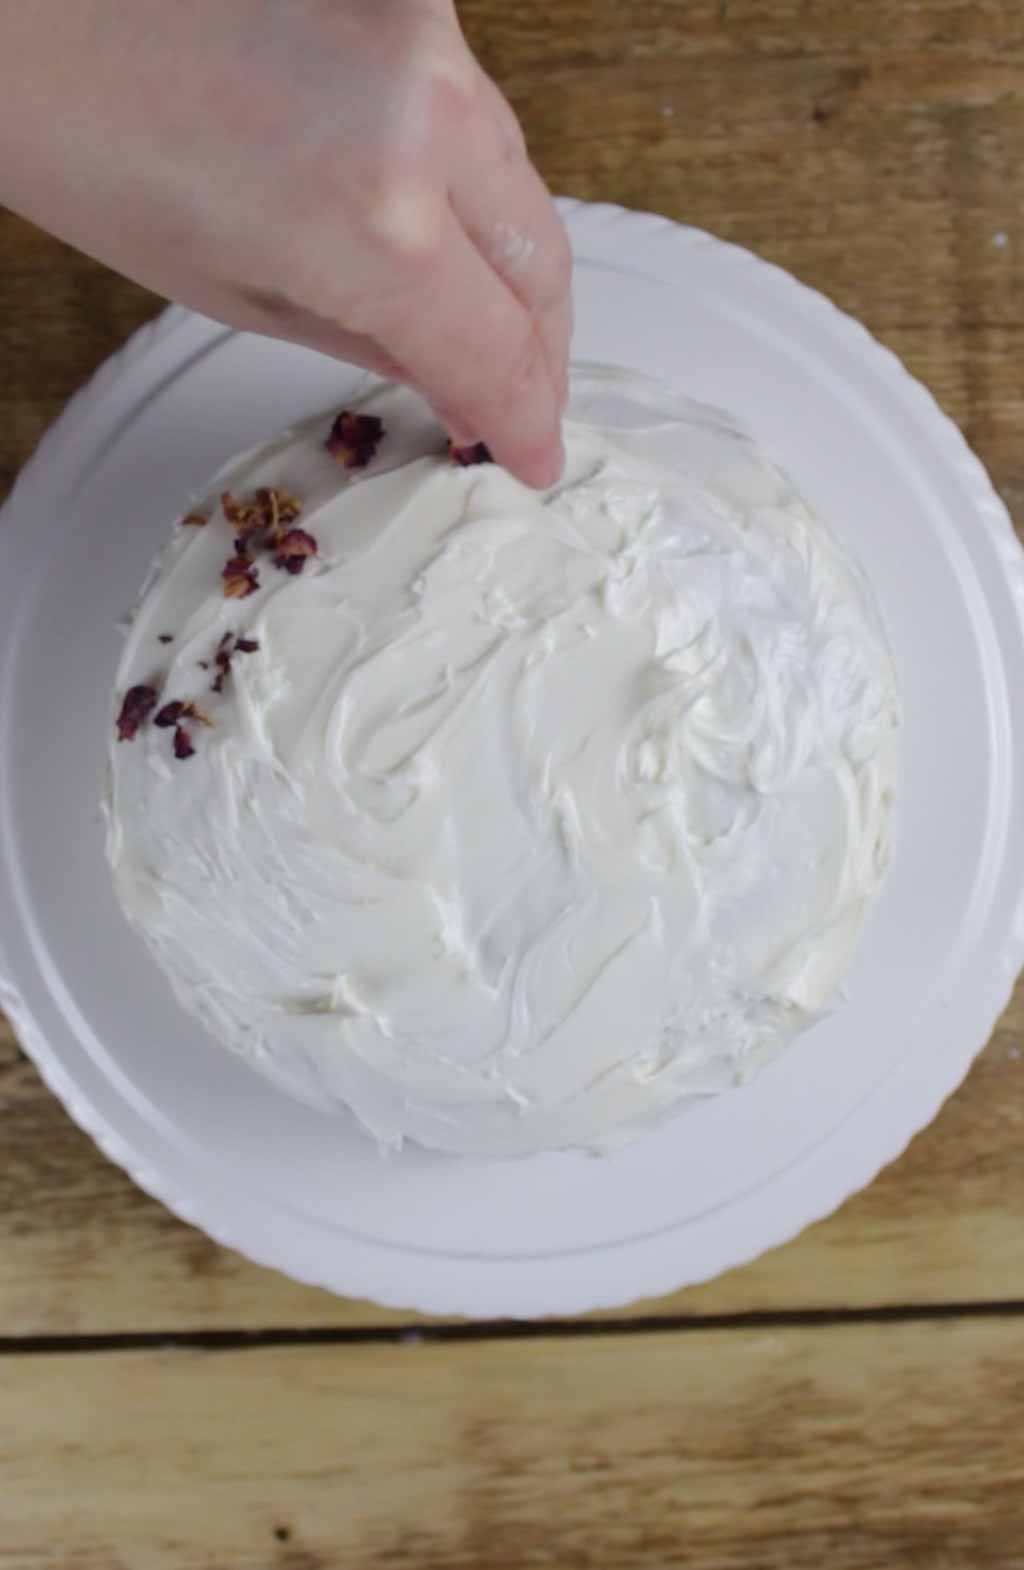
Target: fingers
x=508, y=213
x=504, y=116
x=278, y=317
x=467, y=343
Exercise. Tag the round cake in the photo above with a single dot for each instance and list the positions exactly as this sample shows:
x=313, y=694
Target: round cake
x=505, y=821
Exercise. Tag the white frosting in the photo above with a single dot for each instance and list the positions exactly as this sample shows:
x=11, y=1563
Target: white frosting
x=533, y=815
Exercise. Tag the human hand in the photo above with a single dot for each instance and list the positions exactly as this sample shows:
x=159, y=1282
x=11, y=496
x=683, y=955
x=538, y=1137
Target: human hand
x=339, y=173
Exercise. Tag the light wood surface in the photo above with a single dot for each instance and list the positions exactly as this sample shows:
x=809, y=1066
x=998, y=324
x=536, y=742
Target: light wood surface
x=82, y=1252
x=873, y=1419
x=788, y=1449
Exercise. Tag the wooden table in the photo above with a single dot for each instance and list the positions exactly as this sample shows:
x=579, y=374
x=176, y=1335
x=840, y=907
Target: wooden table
x=852, y=1401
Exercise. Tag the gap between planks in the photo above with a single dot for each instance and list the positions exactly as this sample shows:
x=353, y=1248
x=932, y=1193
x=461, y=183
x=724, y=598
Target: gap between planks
x=501, y=1330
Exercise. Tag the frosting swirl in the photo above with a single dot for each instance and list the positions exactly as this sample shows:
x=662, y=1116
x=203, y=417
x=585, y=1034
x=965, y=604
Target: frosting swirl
x=530, y=815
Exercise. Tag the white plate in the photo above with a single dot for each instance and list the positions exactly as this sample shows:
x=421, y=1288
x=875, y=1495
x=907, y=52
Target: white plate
x=562, y=1233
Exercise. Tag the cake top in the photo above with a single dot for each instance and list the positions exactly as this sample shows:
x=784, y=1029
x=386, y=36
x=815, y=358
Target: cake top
x=508, y=820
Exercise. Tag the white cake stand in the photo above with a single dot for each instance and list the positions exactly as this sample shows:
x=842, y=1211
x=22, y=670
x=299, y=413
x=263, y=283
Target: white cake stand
x=563, y=1233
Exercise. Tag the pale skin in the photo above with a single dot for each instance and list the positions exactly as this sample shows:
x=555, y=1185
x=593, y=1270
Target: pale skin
x=338, y=173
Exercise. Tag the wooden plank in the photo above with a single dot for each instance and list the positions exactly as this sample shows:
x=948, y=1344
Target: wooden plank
x=83, y=1251
x=595, y=31
x=855, y=1447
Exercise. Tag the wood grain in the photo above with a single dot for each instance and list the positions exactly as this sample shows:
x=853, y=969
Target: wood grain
x=793, y=1449
x=873, y=147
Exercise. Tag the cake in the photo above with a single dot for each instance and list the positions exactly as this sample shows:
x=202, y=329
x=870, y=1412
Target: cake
x=504, y=821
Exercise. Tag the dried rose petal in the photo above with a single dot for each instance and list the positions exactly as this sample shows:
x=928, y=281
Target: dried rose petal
x=354, y=438
x=195, y=520
x=174, y=713
x=138, y=704
x=262, y=518
x=296, y=542
x=239, y=577
x=278, y=507
x=293, y=549
x=222, y=660
x=244, y=516
x=465, y=457
x=246, y=645
x=169, y=715
x=183, y=747
x=165, y=637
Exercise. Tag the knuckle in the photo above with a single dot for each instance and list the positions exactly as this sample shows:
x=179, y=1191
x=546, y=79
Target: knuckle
x=402, y=224
x=448, y=70
x=440, y=82
x=448, y=96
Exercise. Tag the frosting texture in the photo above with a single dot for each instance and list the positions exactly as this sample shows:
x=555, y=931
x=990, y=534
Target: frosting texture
x=528, y=816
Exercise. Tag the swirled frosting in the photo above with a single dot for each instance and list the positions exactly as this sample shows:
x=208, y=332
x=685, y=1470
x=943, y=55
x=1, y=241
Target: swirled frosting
x=532, y=815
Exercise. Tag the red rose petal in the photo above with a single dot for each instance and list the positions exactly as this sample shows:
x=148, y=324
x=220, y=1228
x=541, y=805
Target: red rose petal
x=292, y=550
x=240, y=578
x=136, y=707
x=169, y=715
x=354, y=438
x=465, y=457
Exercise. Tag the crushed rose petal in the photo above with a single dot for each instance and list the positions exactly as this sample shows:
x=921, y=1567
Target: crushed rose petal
x=178, y=711
x=279, y=508
x=240, y=577
x=165, y=637
x=354, y=438
x=169, y=715
x=183, y=747
x=465, y=457
x=222, y=660
x=292, y=550
x=195, y=520
x=243, y=516
x=138, y=704
x=262, y=519
x=246, y=645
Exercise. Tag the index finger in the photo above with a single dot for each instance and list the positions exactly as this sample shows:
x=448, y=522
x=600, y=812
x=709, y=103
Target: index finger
x=508, y=213
x=471, y=347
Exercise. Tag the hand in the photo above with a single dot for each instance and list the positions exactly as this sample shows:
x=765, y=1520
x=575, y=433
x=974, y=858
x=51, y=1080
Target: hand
x=340, y=173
